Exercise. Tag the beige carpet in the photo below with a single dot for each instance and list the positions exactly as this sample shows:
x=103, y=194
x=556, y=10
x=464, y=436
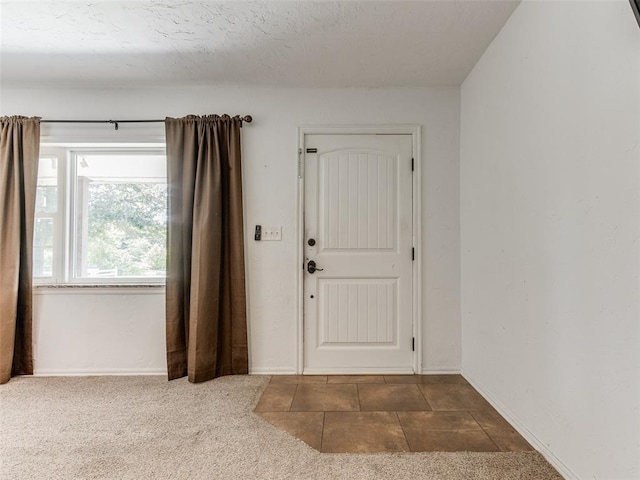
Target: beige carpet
x=147, y=428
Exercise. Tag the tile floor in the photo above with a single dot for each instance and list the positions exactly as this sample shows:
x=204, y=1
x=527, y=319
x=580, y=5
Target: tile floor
x=397, y=413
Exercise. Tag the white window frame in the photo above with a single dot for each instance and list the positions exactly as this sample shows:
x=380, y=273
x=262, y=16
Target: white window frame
x=64, y=256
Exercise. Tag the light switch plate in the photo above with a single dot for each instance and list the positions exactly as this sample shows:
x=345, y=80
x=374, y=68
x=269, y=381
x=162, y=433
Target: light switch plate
x=271, y=234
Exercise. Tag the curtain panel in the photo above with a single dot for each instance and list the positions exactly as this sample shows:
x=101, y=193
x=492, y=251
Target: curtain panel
x=205, y=293
x=19, y=152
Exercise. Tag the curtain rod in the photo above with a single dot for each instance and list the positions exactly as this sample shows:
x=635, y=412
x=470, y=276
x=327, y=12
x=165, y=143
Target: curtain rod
x=246, y=118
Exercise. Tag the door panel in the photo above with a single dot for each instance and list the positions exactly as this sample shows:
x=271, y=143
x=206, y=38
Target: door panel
x=357, y=311
x=357, y=196
x=358, y=210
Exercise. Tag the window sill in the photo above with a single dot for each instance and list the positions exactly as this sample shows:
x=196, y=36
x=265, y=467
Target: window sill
x=94, y=286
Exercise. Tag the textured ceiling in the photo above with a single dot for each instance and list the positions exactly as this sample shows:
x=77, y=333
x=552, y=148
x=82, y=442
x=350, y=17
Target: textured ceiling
x=274, y=43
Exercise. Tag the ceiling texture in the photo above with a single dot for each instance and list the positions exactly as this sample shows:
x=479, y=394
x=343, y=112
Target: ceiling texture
x=267, y=43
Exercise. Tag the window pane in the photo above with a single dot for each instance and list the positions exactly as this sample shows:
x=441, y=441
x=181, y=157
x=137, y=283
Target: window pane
x=43, y=240
x=45, y=217
x=46, y=199
x=121, y=212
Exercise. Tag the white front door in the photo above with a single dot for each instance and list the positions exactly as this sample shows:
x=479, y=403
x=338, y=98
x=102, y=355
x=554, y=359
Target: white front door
x=358, y=231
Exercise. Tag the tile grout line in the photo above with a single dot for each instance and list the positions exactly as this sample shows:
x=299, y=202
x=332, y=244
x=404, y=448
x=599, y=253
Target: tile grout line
x=470, y=412
x=324, y=416
x=425, y=398
x=403, y=432
x=293, y=397
x=486, y=432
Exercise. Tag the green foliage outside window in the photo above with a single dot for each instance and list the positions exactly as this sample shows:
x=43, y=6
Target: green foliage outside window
x=127, y=225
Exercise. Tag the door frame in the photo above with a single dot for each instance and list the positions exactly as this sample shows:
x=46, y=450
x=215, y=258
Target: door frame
x=415, y=132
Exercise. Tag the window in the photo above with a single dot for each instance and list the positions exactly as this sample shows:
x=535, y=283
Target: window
x=101, y=216
x=46, y=218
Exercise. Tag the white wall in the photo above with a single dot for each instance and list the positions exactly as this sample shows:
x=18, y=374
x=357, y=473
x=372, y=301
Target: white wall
x=270, y=176
x=550, y=155
x=106, y=331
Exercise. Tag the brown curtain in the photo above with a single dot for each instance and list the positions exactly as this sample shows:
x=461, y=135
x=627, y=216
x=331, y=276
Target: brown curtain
x=206, y=298
x=19, y=151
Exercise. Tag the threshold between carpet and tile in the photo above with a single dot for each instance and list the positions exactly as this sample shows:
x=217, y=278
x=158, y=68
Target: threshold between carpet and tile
x=147, y=428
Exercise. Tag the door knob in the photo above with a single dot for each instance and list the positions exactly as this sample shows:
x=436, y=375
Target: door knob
x=311, y=267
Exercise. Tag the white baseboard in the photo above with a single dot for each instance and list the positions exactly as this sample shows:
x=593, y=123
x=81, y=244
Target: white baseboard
x=99, y=372
x=253, y=371
x=272, y=371
x=349, y=371
x=455, y=371
x=44, y=372
x=538, y=444
x=358, y=371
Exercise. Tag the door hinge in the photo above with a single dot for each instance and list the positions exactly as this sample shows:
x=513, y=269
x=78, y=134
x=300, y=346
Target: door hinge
x=299, y=163
x=413, y=166
x=413, y=253
x=413, y=344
